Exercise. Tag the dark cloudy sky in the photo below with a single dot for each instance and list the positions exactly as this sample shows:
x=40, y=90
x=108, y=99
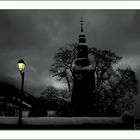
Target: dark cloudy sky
x=35, y=36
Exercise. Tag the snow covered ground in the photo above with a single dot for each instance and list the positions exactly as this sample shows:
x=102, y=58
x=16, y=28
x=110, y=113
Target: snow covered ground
x=66, y=122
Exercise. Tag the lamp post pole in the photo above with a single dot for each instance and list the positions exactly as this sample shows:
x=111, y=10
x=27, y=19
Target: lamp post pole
x=21, y=97
x=21, y=66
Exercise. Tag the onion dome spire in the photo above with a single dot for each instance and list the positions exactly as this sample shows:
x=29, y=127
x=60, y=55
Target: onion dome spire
x=82, y=38
x=81, y=24
x=82, y=49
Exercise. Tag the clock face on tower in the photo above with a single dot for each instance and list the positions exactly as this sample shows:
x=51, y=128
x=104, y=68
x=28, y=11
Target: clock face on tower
x=77, y=75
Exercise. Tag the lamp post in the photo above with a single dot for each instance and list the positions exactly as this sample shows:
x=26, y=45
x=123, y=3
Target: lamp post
x=21, y=66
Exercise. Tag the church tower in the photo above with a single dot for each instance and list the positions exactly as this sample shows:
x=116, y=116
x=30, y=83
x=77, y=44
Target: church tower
x=82, y=49
x=83, y=84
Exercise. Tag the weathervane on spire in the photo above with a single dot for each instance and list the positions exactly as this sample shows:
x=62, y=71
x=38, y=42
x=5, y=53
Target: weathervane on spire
x=81, y=24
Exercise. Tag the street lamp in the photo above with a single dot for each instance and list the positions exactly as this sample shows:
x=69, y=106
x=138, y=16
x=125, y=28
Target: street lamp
x=21, y=66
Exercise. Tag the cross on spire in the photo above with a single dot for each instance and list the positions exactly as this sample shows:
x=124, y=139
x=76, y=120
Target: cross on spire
x=81, y=24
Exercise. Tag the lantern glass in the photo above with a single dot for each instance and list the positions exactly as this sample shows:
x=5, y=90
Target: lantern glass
x=21, y=65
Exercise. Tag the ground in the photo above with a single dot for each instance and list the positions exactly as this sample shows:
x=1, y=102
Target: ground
x=65, y=123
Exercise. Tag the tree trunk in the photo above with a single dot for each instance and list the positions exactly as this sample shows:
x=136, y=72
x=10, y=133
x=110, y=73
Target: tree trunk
x=68, y=82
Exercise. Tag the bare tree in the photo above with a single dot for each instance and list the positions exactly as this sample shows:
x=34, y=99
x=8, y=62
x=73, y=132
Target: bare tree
x=114, y=88
x=123, y=87
x=62, y=68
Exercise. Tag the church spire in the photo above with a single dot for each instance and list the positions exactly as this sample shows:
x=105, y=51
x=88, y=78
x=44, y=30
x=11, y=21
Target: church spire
x=82, y=49
x=81, y=24
x=82, y=38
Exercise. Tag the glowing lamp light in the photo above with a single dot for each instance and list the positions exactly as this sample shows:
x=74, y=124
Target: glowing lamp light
x=21, y=65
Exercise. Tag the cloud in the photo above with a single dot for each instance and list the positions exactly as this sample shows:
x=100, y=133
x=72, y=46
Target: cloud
x=35, y=36
x=130, y=61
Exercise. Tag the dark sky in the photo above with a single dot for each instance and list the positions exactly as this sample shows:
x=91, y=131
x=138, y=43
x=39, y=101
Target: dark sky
x=35, y=36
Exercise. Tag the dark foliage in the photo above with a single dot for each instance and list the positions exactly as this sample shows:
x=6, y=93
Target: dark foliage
x=115, y=87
